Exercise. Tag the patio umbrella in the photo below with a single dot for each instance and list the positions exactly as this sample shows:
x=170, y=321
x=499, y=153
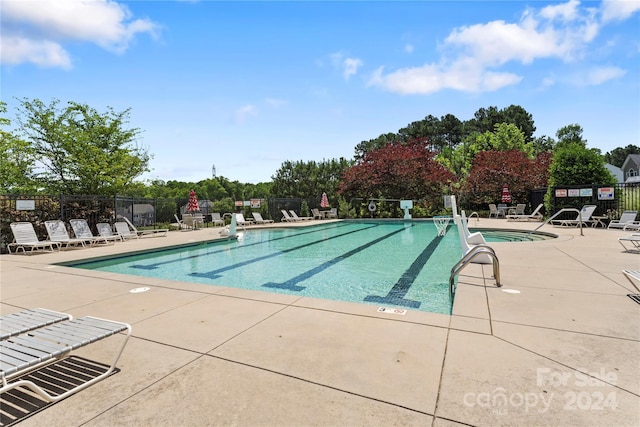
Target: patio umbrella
x=193, y=202
x=324, y=202
x=506, y=196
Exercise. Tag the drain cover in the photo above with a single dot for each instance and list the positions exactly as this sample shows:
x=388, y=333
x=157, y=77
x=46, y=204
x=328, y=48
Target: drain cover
x=635, y=297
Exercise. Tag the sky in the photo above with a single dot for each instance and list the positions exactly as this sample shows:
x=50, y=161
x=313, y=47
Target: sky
x=245, y=86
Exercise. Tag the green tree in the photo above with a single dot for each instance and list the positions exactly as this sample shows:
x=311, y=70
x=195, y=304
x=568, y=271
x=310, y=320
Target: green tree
x=617, y=156
x=308, y=180
x=80, y=150
x=16, y=160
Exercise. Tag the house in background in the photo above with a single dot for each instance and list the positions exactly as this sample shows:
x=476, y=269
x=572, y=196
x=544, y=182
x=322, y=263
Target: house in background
x=615, y=171
x=631, y=168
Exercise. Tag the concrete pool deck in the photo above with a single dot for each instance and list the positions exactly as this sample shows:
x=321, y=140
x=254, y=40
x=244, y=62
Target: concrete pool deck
x=563, y=351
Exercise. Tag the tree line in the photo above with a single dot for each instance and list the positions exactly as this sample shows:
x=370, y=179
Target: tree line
x=75, y=149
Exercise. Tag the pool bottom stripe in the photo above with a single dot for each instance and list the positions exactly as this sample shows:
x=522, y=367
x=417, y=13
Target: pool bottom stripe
x=292, y=283
x=399, y=291
x=216, y=274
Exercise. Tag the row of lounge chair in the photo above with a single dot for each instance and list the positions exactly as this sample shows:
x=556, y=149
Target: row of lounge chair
x=26, y=239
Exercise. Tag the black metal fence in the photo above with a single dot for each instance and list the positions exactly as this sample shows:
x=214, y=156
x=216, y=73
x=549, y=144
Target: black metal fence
x=611, y=201
x=40, y=208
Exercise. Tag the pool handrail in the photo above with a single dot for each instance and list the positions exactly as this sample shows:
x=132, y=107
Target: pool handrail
x=475, y=251
x=580, y=222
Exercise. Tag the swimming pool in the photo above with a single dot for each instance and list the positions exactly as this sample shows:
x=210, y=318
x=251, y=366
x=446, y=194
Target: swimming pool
x=393, y=264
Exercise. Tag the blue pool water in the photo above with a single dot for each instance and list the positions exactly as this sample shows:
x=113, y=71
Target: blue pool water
x=392, y=264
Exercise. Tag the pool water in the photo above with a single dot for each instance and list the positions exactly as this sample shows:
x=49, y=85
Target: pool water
x=393, y=264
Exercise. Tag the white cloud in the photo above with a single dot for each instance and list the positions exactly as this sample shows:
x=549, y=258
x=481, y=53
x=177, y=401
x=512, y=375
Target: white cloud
x=472, y=55
x=243, y=113
x=408, y=48
x=105, y=23
x=275, y=103
x=600, y=75
x=16, y=50
x=613, y=10
x=348, y=66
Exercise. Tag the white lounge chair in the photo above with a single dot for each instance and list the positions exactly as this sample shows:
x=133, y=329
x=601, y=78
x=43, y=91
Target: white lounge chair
x=57, y=231
x=633, y=240
x=49, y=342
x=82, y=231
x=241, y=221
x=627, y=219
x=534, y=216
x=286, y=217
x=333, y=213
x=27, y=320
x=105, y=230
x=317, y=214
x=122, y=228
x=295, y=216
x=216, y=219
x=141, y=233
x=633, y=276
x=257, y=217
x=584, y=216
x=25, y=237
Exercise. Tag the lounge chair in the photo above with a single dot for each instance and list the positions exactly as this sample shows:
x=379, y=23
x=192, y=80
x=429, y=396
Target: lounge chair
x=241, y=221
x=257, y=217
x=317, y=214
x=105, y=230
x=333, y=213
x=584, y=216
x=51, y=341
x=633, y=240
x=216, y=220
x=494, y=211
x=286, y=217
x=141, y=233
x=632, y=275
x=82, y=231
x=122, y=228
x=25, y=237
x=518, y=210
x=627, y=219
x=295, y=216
x=28, y=320
x=57, y=231
x=534, y=216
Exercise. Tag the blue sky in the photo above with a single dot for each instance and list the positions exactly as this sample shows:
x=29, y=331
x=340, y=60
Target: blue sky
x=246, y=86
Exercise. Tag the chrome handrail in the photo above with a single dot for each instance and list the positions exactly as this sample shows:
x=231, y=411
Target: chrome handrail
x=475, y=251
x=558, y=213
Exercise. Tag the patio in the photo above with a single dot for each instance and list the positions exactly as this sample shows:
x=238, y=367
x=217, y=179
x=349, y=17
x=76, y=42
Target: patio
x=562, y=351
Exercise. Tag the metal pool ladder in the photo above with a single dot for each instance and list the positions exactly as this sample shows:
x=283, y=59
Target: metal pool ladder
x=474, y=252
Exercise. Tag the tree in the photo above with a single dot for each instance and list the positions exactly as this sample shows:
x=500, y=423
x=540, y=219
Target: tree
x=16, y=157
x=492, y=169
x=308, y=180
x=485, y=120
x=373, y=144
x=80, y=151
x=574, y=164
x=398, y=171
x=570, y=134
x=504, y=137
x=617, y=156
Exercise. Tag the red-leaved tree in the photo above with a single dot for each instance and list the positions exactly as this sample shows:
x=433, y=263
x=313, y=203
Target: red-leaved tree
x=492, y=169
x=398, y=171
